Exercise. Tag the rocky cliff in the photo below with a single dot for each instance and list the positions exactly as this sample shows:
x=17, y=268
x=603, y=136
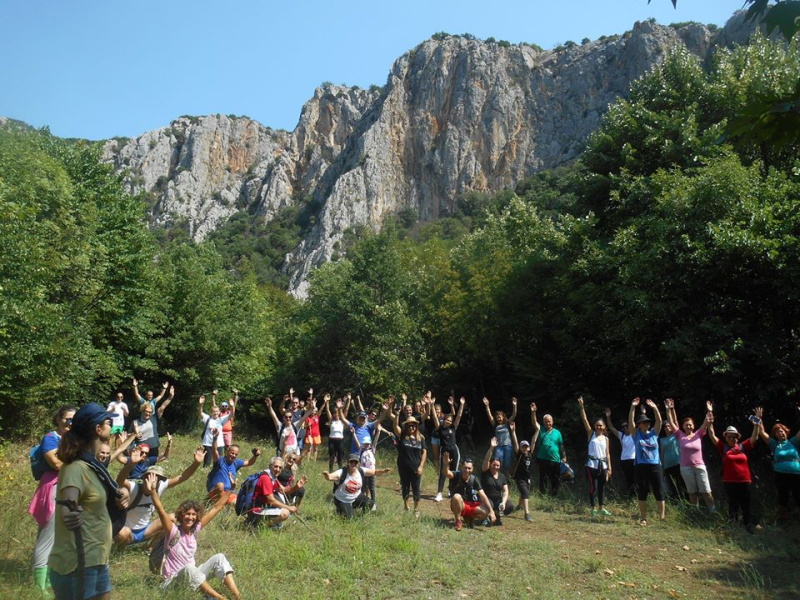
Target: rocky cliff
x=456, y=114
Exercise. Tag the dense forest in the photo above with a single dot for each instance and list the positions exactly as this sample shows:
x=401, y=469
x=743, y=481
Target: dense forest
x=666, y=261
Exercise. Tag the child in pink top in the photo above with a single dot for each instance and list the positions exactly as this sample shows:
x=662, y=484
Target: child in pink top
x=180, y=546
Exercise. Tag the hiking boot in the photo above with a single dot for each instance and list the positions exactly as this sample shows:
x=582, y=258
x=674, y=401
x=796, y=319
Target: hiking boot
x=438, y=497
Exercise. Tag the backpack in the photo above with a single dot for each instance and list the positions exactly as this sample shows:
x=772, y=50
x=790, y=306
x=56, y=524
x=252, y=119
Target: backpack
x=205, y=428
x=157, y=554
x=244, y=499
x=38, y=463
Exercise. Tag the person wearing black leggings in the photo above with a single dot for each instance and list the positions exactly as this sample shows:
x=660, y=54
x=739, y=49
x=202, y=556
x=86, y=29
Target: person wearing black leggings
x=446, y=429
x=411, y=455
x=598, y=462
x=648, y=460
x=336, y=435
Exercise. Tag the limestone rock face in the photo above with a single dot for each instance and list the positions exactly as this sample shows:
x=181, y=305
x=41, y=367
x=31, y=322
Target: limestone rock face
x=455, y=115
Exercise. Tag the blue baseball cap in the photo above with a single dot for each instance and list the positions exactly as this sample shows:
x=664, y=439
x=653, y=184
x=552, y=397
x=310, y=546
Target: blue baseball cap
x=90, y=415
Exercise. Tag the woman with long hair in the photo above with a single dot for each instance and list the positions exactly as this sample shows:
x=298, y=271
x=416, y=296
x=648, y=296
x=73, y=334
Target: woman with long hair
x=598, y=462
x=693, y=467
x=88, y=499
x=43, y=504
x=336, y=434
x=445, y=429
x=505, y=450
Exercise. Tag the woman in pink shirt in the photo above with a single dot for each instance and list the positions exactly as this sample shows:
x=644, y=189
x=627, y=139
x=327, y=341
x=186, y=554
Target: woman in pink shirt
x=693, y=467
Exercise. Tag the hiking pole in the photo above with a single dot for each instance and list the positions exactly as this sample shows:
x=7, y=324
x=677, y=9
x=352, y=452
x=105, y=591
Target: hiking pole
x=73, y=507
x=296, y=516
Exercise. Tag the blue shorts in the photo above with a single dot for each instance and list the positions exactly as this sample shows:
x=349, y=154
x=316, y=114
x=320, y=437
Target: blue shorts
x=435, y=441
x=138, y=535
x=96, y=582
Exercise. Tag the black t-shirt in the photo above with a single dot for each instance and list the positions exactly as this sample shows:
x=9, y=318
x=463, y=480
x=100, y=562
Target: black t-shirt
x=468, y=489
x=494, y=487
x=409, y=452
x=448, y=437
x=522, y=470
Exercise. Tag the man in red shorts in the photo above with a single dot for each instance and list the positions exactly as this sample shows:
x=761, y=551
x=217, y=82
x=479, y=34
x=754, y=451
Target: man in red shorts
x=468, y=500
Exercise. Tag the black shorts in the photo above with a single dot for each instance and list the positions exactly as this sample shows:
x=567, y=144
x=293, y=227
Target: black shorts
x=524, y=487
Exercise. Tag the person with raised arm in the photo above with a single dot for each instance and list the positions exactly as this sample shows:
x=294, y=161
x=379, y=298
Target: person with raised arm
x=313, y=437
x=692, y=465
x=598, y=462
x=212, y=422
x=348, y=494
x=147, y=460
x=151, y=413
x=222, y=477
x=495, y=483
x=736, y=477
x=550, y=453
x=499, y=421
x=522, y=468
x=43, y=504
x=785, y=464
x=287, y=430
x=627, y=457
x=469, y=501
x=648, y=460
x=138, y=526
x=336, y=435
x=180, y=547
x=446, y=431
x=411, y=456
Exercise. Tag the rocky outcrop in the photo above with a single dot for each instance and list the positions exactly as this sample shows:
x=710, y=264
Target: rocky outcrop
x=456, y=114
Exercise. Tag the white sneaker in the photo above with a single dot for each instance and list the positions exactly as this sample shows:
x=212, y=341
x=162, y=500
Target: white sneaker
x=438, y=498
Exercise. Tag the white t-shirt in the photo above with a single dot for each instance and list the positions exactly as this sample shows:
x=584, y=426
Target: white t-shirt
x=118, y=408
x=208, y=436
x=628, y=446
x=337, y=430
x=139, y=516
x=597, y=453
x=350, y=488
x=288, y=441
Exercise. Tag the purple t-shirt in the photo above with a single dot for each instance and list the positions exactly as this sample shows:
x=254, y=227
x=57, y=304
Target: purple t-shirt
x=691, y=448
x=182, y=553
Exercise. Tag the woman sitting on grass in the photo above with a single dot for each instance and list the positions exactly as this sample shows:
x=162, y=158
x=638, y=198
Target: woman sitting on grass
x=180, y=546
x=786, y=465
x=495, y=483
x=598, y=462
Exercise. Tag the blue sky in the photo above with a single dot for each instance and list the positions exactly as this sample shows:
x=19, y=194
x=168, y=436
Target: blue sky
x=97, y=69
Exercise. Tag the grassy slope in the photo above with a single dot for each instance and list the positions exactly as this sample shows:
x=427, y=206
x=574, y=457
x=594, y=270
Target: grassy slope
x=388, y=554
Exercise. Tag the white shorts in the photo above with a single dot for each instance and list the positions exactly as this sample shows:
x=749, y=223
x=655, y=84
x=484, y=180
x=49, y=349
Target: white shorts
x=696, y=479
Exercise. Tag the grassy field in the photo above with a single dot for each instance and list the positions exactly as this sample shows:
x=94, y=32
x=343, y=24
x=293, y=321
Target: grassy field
x=389, y=554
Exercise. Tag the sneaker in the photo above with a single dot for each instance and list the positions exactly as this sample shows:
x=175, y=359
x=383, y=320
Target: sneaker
x=438, y=497
x=459, y=524
x=605, y=513
x=374, y=507
x=486, y=522
x=529, y=518
x=593, y=512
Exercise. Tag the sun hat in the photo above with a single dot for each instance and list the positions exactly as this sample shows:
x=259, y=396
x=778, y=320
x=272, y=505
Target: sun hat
x=643, y=418
x=410, y=421
x=733, y=430
x=159, y=471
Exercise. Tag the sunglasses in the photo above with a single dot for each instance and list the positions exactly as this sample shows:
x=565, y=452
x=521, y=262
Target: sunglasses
x=354, y=462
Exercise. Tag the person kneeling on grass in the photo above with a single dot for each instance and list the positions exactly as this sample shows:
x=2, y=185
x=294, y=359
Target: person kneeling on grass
x=468, y=499
x=495, y=483
x=270, y=496
x=349, y=494
x=180, y=546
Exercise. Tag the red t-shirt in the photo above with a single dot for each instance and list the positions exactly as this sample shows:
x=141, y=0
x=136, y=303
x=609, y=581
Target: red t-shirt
x=735, y=465
x=312, y=424
x=264, y=488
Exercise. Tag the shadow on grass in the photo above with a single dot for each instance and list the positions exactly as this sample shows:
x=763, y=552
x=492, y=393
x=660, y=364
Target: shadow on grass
x=768, y=576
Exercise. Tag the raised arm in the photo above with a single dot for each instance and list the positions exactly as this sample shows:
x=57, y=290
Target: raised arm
x=461, y=402
x=632, y=414
x=197, y=460
x=513, y=410
x=534, y=422
x=214, y=450
x=514, y=441
x=163, y=515
x=586, y=425
x=200, y=402
x=672, y=416
x=711, y=435
x=395, y=424
x=610, y=425
x=275, y=420
x=135, y=458
x=166, y=403
x=136, y=393
x=218, y=506
x=757, y=427
x=214, y=395
x=327, y=403
x=487, y=458
x=253, y=458
x=446, y=465
x=488, y=411
x=165, y=456
x=122, y=448
x=657, y=413
x=704, y=426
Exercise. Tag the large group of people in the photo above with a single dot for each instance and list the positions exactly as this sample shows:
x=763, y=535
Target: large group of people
x=81, y=510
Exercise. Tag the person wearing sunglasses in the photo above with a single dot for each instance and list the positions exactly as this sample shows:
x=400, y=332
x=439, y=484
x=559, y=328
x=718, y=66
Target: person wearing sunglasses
x=43, y=505
x=287, y=429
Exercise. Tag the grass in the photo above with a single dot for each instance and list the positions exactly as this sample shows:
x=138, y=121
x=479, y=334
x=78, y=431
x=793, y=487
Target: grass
x=564, y=553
